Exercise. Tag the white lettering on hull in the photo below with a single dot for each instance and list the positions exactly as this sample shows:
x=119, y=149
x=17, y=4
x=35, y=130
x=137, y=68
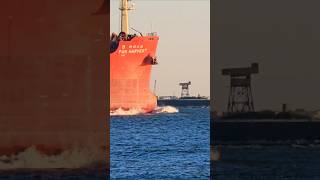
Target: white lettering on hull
x=132, y=49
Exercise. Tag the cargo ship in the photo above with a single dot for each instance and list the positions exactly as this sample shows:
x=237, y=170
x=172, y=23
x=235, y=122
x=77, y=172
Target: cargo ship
x=131, y=59
x=53, y=75
x=242, y=124
x=185, y=100
x=191, y=101
x=266, y=127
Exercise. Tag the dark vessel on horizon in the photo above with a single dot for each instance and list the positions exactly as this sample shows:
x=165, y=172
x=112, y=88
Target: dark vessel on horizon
x=241, y=124
x=185, y=99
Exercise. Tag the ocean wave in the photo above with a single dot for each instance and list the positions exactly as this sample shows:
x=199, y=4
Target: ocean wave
x=166, y=109
x=130, y=112
x=33, y=159
x=137, y=111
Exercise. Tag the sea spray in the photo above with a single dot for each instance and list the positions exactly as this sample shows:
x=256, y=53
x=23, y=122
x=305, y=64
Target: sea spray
x=137, y=111
x=130, y=112
x=33, y=159
x=166, y=109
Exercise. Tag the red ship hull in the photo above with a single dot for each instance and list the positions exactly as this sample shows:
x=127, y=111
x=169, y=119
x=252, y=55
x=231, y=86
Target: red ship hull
x=53, y=76
x=130, y=71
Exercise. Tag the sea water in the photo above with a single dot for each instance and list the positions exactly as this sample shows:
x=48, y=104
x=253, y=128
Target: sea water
x=272, y=162
x=170, y=143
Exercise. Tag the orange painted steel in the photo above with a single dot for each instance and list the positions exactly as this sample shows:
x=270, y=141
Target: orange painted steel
x=130, y=71
x=53, y=76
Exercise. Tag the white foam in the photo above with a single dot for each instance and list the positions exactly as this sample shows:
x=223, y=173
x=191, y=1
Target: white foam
x=130, y=112
x=166, y=109
x=136, y=111
x=32, y=159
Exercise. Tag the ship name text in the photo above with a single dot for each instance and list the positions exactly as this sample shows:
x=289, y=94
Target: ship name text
x=132, y=49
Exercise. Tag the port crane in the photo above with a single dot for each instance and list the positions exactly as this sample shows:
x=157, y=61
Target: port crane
x=185, y=89
x=240, y=95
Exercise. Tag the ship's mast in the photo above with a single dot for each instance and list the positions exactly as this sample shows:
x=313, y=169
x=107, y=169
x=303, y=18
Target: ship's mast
x=124, y=8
